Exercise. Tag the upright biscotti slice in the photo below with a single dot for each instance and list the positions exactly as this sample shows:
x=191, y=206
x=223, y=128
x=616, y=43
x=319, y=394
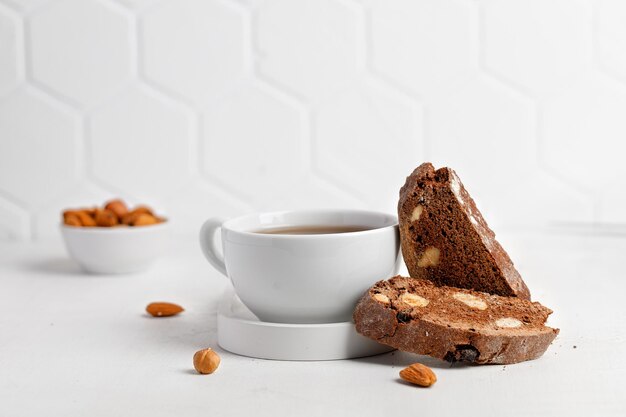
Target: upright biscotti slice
x=446, y=240
x=453, y=324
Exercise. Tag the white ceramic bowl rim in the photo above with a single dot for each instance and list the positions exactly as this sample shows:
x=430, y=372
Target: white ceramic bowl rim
x=383, y=221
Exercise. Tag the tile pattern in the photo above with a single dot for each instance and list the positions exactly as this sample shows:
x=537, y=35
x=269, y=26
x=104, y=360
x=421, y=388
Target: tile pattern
x=426, y=46
x=194, y=48
x=10, y=33
x=251, y=139
x=140, y=143
x=38, y=149
x=221, y=107
x=308, y=47
x=79, y=49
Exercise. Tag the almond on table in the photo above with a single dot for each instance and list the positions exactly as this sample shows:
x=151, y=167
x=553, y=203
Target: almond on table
x=206, y=361
x=419, y=374
x=163, y=309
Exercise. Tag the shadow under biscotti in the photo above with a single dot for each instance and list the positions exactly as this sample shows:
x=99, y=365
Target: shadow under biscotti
x=403, y=359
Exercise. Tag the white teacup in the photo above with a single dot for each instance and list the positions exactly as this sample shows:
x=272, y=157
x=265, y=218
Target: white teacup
x=303, y=278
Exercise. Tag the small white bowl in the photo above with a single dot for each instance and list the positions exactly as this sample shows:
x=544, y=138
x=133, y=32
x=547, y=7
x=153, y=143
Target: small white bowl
x=116, y=250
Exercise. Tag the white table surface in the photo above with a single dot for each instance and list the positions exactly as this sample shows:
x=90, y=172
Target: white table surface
x=78, y=345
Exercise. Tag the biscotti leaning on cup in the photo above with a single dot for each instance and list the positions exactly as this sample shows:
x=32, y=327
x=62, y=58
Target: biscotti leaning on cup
x=446, y=240
x=465, y=301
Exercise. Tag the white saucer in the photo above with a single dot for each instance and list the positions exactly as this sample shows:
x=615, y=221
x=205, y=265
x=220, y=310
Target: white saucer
x=241, y=332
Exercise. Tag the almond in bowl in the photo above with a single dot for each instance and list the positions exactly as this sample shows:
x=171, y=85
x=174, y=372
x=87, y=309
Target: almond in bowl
x=114, y=239
x=114, y=213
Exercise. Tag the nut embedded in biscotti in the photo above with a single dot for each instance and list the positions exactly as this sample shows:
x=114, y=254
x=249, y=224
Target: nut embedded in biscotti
x=381, y=298
x=419, y=374
x=417, y=212
x=470, y=300
x=508, y=322
x=163, y=309
x=430, y=257
x=206, y=361
x=414, y=300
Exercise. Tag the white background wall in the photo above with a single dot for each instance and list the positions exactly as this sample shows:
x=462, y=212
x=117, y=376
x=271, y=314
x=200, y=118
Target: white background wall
x=219, y=107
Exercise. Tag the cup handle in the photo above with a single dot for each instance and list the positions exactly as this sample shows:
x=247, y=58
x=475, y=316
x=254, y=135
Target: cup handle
x=207, y=243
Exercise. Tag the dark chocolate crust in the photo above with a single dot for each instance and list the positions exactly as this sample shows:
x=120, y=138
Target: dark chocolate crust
x=450, y=329
x=468, y=255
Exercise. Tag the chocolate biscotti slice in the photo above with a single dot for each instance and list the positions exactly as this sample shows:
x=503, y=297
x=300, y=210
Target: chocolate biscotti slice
x=446, y=240
x=453, y=324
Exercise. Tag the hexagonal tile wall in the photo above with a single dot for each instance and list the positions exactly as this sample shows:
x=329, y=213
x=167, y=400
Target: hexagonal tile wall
x=523, y=44
x=314, y=51
x=424, y=45
x=253, y=143
x=80, y=49
x=310, y=193
x=368, y=139
x=611, y=35
x=500, y=123
x=38, y=147
x=206, y=107
x=137, y=4
x=583, y=140
x=141, y=143
x=14, y=222
x=24, y=5
x=491, y=143
x=10, y=47
x=196, y=201
x=195, y=48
